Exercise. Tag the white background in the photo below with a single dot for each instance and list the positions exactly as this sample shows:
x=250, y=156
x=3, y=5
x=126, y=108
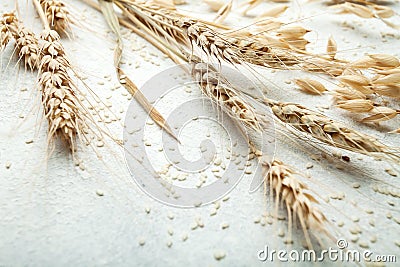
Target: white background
x=51, y=215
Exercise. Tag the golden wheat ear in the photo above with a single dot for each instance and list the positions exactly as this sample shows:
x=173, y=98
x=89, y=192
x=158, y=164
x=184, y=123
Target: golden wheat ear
x=330, y=132
x=62, y=108
x=7, y=21
x=300, y=205
x=57, y=15
x=26, y=43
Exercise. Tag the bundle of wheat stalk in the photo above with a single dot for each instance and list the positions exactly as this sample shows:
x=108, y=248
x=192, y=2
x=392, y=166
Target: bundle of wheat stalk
x=286, y=52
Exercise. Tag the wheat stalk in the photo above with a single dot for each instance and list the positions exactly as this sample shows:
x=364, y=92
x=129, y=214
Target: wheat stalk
x=57, y=15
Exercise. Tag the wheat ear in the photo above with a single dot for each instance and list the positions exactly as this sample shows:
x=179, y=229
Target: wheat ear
x=27, y=46
x=61, y=105
x=299, y=202
x=7, y=22
x=57, y=15
x=329, y=131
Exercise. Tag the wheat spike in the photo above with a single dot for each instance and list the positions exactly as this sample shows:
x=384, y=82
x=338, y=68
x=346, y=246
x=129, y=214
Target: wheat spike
x=298, y=200
x=328, y=131
x=218, y=89
x=61, y=105
x=57, y=15
x=27, y=47
x=277, y=175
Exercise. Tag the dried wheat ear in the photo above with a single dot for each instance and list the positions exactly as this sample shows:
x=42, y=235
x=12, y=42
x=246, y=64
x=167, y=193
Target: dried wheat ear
x=295, y=195
x=57, y=15
x=284, y=50
x=62, y=108
x=330, y=132
x=6, y=22
x=26, y=43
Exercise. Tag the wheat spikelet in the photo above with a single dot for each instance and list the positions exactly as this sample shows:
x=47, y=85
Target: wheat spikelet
x=61, y=106
x=328, y=131
x=57, y=15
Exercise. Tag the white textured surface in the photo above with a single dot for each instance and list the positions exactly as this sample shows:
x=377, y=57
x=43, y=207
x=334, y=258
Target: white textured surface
x=50, y=214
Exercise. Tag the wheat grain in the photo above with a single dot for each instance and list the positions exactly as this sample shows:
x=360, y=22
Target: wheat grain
x=381, y=114
x=274, y=12
x=385, y=60
x=347, y=93
x=356, y=105
x=215, y=5
x=388, y=90
x=354, y=101
x=331, y=48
